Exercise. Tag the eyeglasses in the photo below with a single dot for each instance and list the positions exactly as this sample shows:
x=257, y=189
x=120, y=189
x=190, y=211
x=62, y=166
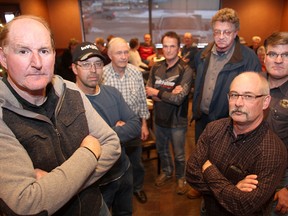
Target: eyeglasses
x=89, y=65
x=246, y=97
x=274, y=55
x=226, y=33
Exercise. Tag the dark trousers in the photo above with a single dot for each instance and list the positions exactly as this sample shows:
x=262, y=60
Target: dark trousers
x=118, y=194
x=200, y=125
x=135, y=156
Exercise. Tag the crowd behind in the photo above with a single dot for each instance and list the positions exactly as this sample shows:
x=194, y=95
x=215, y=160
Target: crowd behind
x=72, y=125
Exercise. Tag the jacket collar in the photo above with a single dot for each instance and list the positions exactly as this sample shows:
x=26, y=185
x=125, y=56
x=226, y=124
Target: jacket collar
x=236, y=57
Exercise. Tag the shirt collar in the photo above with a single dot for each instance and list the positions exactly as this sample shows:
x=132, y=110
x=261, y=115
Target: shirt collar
x=214, y=51
x=284, y=88
x=246, y=136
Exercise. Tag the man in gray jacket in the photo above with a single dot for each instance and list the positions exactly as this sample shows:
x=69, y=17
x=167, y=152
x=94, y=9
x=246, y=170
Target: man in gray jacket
x=54, y=145
x=169, y=84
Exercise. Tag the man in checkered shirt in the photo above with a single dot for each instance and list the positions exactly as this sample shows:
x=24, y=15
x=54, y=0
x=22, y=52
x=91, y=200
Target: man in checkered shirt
x=129, y=81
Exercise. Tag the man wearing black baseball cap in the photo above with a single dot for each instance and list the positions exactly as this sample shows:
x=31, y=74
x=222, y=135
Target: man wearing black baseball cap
x=86, y=50
x=117, y=184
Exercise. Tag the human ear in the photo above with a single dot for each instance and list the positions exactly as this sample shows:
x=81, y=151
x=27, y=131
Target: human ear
x=74, y=69
x=3, y=61
x=266, y=102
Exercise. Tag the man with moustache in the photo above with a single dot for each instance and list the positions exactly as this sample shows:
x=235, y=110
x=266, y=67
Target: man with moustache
x=237, y=150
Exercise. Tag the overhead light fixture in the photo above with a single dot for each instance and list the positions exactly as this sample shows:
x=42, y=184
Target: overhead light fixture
x=9, y=16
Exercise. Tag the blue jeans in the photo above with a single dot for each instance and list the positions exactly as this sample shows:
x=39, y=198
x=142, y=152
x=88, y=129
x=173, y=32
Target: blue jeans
x=283, y=183
x=118, y=194
x=135, y=156
x=177, y=138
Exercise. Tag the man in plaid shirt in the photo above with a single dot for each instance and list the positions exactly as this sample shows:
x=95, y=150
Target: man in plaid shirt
x=129, y=81
x=239, y=161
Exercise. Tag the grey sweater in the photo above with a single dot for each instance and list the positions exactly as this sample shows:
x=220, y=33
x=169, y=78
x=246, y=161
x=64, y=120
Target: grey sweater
x=71, y=169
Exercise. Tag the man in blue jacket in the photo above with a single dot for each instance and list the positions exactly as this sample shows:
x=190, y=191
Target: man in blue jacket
x=216, y=67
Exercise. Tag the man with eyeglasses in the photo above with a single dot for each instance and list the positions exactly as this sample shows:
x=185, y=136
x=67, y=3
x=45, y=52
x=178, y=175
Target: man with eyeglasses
x=117, y=184
x=239, y=160
x=216, y=66
x=276, y=62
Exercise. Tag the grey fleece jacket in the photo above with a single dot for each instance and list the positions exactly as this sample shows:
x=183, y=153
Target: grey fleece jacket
x=79, y=169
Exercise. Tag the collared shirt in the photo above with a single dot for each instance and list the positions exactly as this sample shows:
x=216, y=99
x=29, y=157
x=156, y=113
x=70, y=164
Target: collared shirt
x=278, y=112
x=258, y=152
x=131, y=85
x=216, y=64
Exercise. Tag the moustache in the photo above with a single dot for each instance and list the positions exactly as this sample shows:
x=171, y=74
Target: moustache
x=238, y=111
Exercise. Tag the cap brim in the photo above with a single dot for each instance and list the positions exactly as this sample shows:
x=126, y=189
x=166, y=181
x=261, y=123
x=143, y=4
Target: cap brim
x=91, y=54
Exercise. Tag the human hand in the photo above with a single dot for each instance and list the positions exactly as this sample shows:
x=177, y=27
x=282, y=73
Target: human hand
x=120, y=123
x=151, y=91
x=248, y=184
x=177, y=89
x=144, y=132
x=92, y=144
x=186, y=60
x=282, y=204
x=39, y=173
x=206, y=165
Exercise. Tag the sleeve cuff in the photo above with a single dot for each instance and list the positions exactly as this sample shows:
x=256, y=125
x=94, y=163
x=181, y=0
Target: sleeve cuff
x=160, y=93
x=97, y=158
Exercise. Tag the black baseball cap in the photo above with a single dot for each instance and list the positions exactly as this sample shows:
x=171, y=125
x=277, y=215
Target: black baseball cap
x=86, y=50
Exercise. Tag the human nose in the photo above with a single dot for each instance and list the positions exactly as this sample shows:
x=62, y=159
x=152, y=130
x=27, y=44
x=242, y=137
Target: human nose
x=239, y=101
x=168, y=49
x=93, y=67
x=221, y=34
x=124, y=56
x=36, y=60
x=279, y=58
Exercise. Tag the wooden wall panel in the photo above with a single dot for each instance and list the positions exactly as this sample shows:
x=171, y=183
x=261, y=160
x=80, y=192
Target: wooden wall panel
x=257, y=17
x=65, y=21
x=284, y=23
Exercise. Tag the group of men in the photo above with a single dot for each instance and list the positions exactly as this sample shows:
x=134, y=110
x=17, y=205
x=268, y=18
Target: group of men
x=239, y=161
x=75, y=148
